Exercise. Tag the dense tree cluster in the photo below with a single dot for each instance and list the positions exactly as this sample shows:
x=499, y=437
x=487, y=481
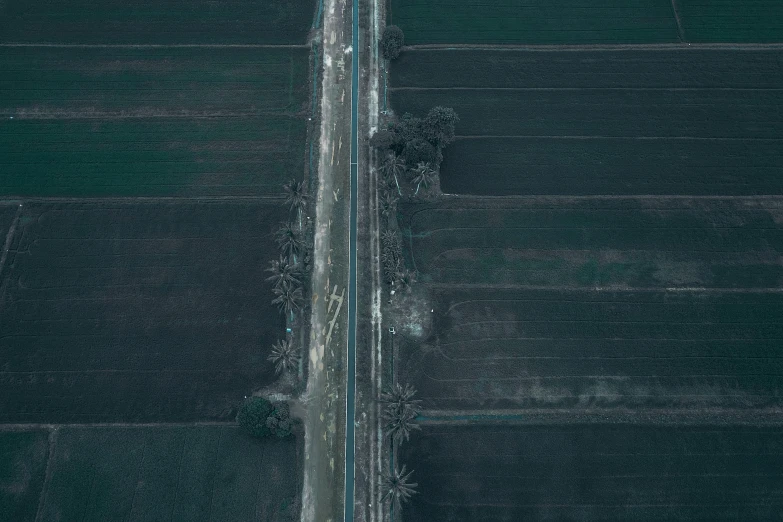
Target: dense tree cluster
x=419, y=140
x=261, y=418
x=392, y=41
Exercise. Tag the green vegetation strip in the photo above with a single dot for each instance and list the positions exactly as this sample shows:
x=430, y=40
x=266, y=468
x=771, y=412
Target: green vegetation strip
x=22, y=466
x=149, y=22
x=51, y=81
x=535, y=21
x=594, y=472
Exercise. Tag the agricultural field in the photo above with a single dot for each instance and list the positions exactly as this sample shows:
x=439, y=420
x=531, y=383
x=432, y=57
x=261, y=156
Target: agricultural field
x=595, y=472
x=730, y=21
x=180, y=22
x=163, y=122
x=22, y=465
x=544, y=348
x=535, y=21
x=121, y=312
x=602, y=242
x=603, y=122
x=148, y=473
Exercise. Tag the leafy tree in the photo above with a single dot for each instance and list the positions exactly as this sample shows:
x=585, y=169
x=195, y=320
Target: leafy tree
x=392, y=167
x=383, y=140
x=279, y=422
x=423, y=175
x=440, y=125
x=419, y=150
x=284, y=273
x=284, y=356
x=392, y=41
x=288, y=300
x=397, y=487
x=289, y=240
x=253, y=414
x=296, y=197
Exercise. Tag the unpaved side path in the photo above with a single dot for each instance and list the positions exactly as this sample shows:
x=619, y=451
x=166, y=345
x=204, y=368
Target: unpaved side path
x=324, y=448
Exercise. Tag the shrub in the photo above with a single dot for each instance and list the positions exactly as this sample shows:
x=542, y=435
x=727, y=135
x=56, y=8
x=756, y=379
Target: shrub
x=253, y=414
x=279, y=422
x=392, y=41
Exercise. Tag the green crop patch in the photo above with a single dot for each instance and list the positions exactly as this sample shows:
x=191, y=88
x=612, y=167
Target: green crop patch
x=610, y=122
x=495, y=348
x=731, y=21
x=250, y=155
x=22, y=464
x=150, y=22
x=151, y=122
x=535, y=21
x=608, y=243
x=189, y=473
x=123, y=312
x=125, y=82
x=594, y=472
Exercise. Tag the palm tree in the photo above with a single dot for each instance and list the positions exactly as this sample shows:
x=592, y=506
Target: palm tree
x=388, y=204
x=397, y=487
x=423, y=175
x=400, y=423
x=289, y=240
x=284, y=356
x=288, y=300
x=284, y=273
x=405, y=278
x=296, y=197
x=401, y=397
x=392, y=167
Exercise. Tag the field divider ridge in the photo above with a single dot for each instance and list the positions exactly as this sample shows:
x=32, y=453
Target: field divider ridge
x=158, y=46
x=593, y=47
x=49, y=471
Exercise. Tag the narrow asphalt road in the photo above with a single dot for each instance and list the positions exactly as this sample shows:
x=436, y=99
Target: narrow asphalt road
x=350, y=414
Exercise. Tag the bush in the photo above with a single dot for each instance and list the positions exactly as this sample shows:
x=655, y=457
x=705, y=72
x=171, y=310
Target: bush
x=253, y=414
x=392, y=41
x=279, y=422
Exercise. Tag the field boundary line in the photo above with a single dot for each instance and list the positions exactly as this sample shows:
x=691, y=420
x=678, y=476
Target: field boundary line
x=596, y=47
x=772, y=197
x=158, y=46
x=576, y=89
x=593, y=289
x=678, y=21
x=706, y=417
x=47, y=474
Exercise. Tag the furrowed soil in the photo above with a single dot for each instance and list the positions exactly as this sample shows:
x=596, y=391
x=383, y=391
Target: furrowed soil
x=595, y=472
x=609, y=243
x=133, y=122
x=523, y=348
x=136, y=311
x=22, y=464
x=196, y=473
x=150, y=22
x=534, y=21
x=608, y=122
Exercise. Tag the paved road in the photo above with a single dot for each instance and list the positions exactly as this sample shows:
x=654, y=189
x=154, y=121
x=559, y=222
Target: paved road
x=350, y=416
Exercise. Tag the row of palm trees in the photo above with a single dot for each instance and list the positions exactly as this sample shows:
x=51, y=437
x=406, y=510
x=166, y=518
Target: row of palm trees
x=399, y=414
x=394, y=167
x=287, y=274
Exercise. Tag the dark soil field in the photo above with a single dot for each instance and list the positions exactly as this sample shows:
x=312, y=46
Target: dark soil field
x=136, y=311
x=608, y=243
x=535, y=21
x=129, y=122
x=608, y=122
x=153, y=22
x=595, y=472
x=22, y=464
x=149, y=474
x=731, y=21
x=524, y=348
